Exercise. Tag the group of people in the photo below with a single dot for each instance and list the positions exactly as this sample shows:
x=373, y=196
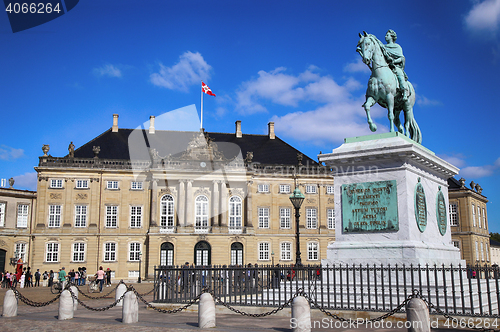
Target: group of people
x=23, y=277
x=103, y=277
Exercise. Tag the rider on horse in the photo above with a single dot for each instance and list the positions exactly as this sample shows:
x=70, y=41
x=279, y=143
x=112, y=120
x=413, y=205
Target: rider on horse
x=393, y=54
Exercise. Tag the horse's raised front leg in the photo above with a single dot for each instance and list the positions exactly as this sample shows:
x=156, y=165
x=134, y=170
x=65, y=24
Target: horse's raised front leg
x=390, y=110
x=367, y=105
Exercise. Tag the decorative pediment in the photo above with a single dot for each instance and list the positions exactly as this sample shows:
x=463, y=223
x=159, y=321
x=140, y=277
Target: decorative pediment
x=202, y=191
x=236, y=191
x=167, y=238
x=202, y=147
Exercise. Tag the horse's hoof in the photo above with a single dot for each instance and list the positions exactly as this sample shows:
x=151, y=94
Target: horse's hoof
x=373, y=127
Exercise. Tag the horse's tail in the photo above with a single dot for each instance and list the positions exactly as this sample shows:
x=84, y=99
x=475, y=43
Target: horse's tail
x=414, y=130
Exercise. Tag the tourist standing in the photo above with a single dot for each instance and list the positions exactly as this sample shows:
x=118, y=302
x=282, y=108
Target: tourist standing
x=51, y=278
x=108, y=277
x=45, y=277
x=100, y=278
x=37, y=278
x=62, y=277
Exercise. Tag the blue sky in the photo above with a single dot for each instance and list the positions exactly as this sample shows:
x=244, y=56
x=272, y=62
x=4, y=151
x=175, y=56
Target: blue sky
x=291, y=62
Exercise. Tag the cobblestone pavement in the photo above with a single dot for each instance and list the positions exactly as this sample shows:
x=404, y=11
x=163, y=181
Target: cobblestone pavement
x=45, y=318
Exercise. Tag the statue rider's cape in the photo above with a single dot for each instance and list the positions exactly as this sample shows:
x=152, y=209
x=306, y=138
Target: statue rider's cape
x=394, y=52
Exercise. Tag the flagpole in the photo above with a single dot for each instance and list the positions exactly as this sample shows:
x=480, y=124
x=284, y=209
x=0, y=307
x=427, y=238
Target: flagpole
x=201, y=123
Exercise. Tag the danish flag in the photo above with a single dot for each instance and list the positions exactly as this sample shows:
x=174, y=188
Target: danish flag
x=206, y=89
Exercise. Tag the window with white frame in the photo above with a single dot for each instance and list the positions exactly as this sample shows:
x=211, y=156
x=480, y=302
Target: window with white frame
x=284, y=188
x=56, y=183
x=477, y=251
x=201, y=213
x=263, y=217
x=453, y=211
x=111, y=184
x=136, y=216
x=311, y=189
x=22, y=215
x=285, y=218
x=133, y=274
x=2, y=214
x=82, y=184
x=134, y=251
x=482, y=252
x=55, y=215
x=111, y=216
x=167, y=212
x=235, y=213
x=313, y=251
x=80, y=215
x=484, y=218
x=264, y=251
x=263, y=188
x=473, y=215
x=330, y=214
x=487, y=252
x=456, y=244
x=479, y=216
x=21, y=251
x=79, y=252
x=52, y=252
x=136, y=185
x=110, y=252
x=311, y=218
x=286, y=251
x=329, y=190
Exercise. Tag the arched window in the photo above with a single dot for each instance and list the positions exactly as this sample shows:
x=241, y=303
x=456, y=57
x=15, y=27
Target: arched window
x=235, y=214
x=236, y=253
x=167, y=216
x=202, y=253
x=167, y=254
x=201, y=214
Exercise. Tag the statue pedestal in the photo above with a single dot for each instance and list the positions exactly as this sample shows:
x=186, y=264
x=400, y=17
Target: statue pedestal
x=391, y=203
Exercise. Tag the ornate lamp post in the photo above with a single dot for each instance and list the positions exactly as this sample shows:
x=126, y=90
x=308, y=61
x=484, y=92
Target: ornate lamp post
x=297, y=198
x=139, y=279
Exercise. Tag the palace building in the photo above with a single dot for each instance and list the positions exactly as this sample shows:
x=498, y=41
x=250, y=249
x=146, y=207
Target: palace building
x=131, y=198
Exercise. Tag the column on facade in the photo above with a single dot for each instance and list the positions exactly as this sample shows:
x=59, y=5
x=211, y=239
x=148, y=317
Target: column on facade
x=215, y=203
x=154, y=199
x=189, y=203
x=248, y=221
x=223, y=204
x=181, y=204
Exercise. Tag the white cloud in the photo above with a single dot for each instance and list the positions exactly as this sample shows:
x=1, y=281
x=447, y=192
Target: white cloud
x=9, y=153
x=424, y=101
x=357, y=66
x=480, y=171
x=484, y=16
x=190, y=70
x=26, y=181
x=456, y=159
x=107, y=70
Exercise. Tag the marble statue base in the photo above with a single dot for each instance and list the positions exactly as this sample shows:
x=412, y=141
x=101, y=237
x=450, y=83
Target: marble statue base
x=397, y=228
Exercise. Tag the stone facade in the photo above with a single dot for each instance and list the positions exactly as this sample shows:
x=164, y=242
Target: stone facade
x=469, y=222
x=199, y=206
x=17, y=208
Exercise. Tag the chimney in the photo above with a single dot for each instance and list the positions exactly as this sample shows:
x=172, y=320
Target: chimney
x=270, y=129
x=152, y=124
x=114, y=129
x=238, y=129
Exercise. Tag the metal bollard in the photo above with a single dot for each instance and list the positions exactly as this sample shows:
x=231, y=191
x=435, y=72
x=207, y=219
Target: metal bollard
x=418, y=314
x=206, y=311
x=301, y=315
x=65, y=305
x=9, y=304
x=130, y=309
x=120, y=290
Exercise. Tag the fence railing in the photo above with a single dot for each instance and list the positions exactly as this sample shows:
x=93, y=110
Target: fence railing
x=467, y=291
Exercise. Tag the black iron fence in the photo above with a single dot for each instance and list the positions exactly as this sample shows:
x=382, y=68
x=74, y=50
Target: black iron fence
x=468, y=291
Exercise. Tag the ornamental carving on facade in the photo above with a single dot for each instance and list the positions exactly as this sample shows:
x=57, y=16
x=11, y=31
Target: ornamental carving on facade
x=236, y=238
x=81, y=196
x=164, y=191
x=55, y=196
x=202, y=191
x=311, y=200
x=202, y=237
x=236, y=191
x=2, y=243
x=331, y=200
x=167, y=239
x=202, y=147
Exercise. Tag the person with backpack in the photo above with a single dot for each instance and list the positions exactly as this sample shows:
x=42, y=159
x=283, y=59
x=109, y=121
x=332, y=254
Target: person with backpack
x=37, y=278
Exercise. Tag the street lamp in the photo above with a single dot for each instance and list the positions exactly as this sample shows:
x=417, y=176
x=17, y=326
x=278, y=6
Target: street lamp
x=297, y=198
x=139, y=279
x=272, y=256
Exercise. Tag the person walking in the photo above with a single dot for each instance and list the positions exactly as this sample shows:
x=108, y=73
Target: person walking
x=100, y=278
x=108, y=277
x=62, y=277
x=37, y=278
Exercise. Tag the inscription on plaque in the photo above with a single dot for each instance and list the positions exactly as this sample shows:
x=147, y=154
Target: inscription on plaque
x=420, y=207
x=441, y=212
x=370, y=207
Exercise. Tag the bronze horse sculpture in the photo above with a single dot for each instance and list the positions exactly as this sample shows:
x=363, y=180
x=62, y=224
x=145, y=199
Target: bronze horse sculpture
x=383, y=88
